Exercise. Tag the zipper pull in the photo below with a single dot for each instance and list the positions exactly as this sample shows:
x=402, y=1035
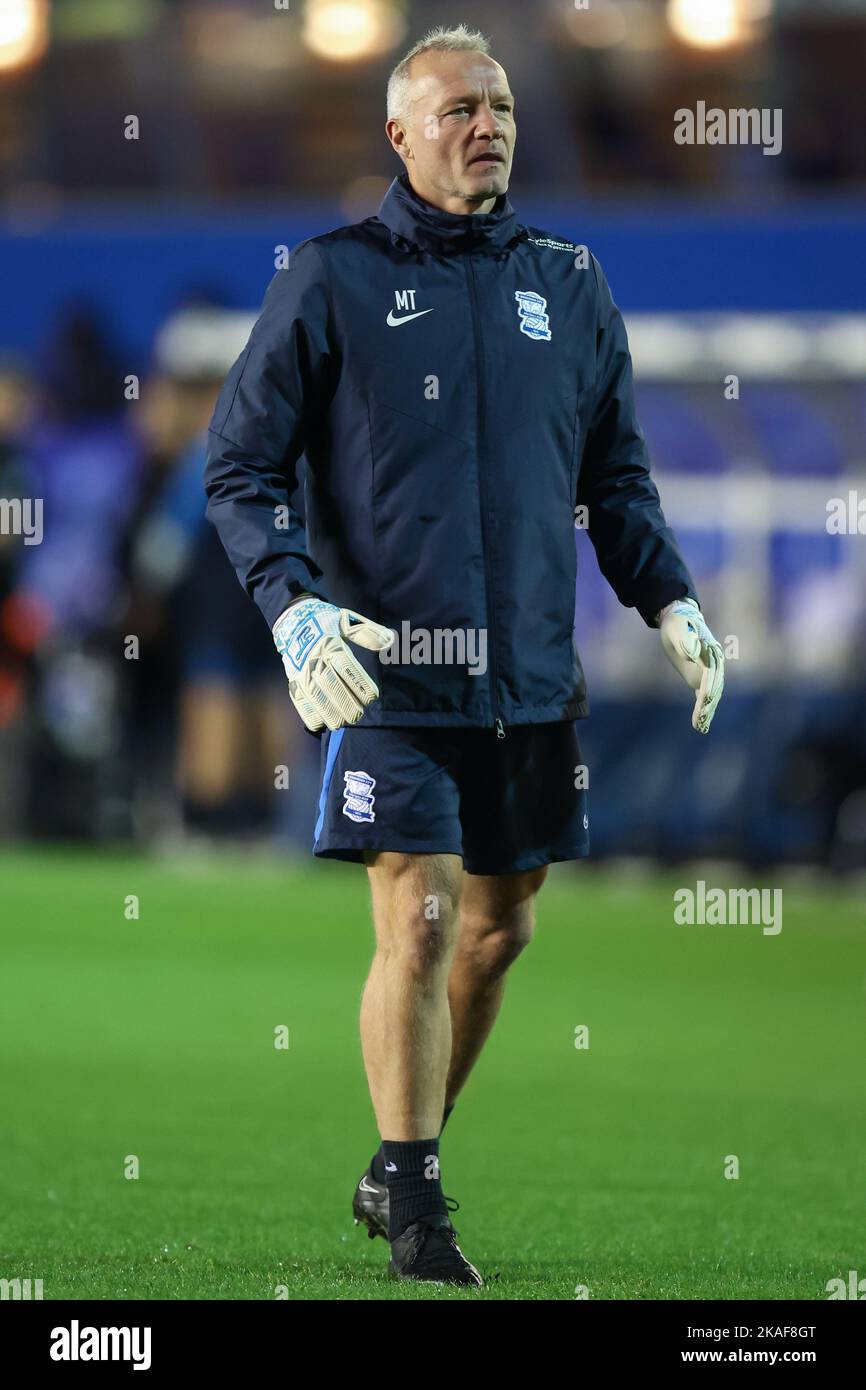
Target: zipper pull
x=500, y=731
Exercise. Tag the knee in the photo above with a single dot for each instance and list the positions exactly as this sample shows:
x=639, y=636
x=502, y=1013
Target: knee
x=417, y=949
x=490, y=947
x=424, y=948
x=417, y=918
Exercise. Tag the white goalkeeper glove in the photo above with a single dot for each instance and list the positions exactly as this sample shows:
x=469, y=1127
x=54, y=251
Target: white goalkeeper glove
x=326, y=683
x=696, y=654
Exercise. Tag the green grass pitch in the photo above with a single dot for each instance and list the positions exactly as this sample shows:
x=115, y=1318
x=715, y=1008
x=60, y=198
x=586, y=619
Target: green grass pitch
x=601, y=1167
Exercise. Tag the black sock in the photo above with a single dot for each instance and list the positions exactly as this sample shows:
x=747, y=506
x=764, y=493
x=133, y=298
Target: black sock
x=377, y=1162
x=412, y=1174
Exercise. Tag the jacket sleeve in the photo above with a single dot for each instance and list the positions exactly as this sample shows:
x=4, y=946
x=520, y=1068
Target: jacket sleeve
x=637, y=551
x=257, y=435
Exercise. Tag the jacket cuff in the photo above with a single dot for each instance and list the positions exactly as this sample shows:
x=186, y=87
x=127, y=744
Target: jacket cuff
x=277, y=604
x=654, y=600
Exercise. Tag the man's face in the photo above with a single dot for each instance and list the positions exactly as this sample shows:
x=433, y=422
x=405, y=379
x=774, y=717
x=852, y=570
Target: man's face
x=457, y=139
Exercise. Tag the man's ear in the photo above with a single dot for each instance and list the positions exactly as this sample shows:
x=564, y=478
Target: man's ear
x=398, y=139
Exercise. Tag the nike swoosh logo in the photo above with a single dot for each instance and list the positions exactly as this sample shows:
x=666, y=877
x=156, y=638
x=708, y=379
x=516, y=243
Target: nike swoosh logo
x=392, y=322
x=390, y=1167
x=364, y=1186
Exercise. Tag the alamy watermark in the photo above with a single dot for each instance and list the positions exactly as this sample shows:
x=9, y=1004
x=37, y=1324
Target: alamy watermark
x=438, y=646
x=737, y=126
x=20, y=1289
x=22, y=516
x=77, y=1343
x=715, y=907
x=846, y=516
x=855, y=1287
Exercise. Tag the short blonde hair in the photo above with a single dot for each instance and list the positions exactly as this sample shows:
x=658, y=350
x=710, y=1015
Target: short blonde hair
x=439, y=40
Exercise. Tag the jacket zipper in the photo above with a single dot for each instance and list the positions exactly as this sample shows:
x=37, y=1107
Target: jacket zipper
x=482, y=496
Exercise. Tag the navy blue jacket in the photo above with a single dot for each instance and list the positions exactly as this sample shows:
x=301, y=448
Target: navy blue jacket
x=454, y=387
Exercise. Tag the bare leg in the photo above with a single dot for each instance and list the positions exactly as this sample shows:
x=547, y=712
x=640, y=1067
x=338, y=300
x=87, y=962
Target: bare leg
x=497, y=918
x=405, y=1016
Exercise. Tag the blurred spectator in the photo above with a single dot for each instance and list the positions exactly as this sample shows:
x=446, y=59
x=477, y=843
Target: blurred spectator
x=226, y=696
x=82, y=464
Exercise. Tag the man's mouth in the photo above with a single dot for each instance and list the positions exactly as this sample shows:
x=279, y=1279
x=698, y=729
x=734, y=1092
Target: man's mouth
x=488, y=158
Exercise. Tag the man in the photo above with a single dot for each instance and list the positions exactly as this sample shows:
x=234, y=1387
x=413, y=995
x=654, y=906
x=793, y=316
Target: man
x=458, y=384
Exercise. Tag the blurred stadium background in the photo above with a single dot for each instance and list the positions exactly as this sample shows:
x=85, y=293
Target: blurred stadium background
x=133, y=267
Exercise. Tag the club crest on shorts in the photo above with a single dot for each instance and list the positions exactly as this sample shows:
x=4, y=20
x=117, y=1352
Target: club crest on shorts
x=358, y=796
x=532, y=310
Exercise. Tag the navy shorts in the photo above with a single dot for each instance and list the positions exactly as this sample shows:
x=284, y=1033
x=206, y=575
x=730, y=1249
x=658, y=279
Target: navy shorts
x=504, y=804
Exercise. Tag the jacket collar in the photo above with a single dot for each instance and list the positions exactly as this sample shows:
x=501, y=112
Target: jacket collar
x=412, y=219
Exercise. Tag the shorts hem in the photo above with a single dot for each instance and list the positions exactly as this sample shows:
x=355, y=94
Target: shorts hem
x=354, y=853
x=533, y=861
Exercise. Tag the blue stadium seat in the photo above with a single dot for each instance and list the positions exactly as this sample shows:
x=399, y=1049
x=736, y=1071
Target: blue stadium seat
x=793, y=433
x=679, y=437
x=793, y=554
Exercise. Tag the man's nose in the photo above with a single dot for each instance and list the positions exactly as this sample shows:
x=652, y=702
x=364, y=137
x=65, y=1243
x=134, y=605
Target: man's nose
x=488, y=124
